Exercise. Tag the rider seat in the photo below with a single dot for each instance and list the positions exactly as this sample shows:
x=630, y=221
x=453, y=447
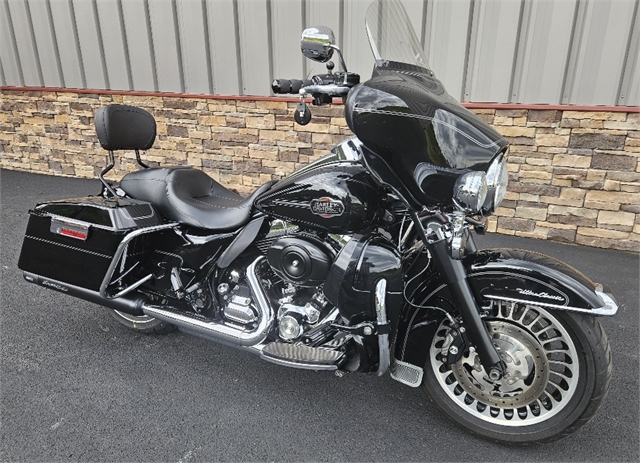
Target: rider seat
x=190, y=196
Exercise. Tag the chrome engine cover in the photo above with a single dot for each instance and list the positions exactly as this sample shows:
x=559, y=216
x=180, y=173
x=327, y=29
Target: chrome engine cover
x=239, y=310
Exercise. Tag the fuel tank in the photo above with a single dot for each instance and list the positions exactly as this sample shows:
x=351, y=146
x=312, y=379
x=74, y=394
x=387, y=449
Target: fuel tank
x=332, y=194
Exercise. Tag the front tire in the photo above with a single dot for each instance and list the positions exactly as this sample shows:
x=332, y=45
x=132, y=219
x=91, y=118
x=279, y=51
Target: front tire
x=558, y=374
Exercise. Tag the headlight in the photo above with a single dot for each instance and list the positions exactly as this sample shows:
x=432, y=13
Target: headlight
x=497, y=179
x=470, y=191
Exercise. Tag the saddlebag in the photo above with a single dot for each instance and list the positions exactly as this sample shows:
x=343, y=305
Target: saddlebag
x=74, y=241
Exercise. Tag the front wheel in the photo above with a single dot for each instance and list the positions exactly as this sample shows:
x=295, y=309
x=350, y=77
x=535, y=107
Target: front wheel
x=558, y=374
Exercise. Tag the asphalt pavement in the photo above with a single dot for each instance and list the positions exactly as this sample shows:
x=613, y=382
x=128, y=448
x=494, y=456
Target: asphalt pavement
x=77, y=386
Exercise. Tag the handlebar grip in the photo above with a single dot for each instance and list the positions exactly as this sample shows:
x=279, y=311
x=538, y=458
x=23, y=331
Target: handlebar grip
x=284, y=86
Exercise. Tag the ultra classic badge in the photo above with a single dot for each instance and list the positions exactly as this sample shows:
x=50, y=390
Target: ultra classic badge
x=327, y=207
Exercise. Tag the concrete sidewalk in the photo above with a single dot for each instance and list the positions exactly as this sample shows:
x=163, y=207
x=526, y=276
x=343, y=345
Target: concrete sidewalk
x=76, y=386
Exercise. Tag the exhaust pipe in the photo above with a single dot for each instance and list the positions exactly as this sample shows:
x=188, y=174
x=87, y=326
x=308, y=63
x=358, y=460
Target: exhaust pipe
x=228, y=334
x=128, y=304
x=191, y=323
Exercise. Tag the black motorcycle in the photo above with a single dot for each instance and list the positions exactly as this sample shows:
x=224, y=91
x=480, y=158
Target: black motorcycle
x=362, y=261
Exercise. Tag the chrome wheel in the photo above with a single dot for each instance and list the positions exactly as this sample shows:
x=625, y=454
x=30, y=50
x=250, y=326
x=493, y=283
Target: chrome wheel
x=542, y=369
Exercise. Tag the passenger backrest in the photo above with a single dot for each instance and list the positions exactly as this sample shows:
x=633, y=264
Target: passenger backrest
x=121, y=127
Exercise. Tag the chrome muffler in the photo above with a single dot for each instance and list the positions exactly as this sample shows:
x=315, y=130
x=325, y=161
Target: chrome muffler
x=232, y=335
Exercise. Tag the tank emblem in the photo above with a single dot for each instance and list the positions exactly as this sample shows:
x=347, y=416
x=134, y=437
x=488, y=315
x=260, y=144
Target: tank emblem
x=327, y=207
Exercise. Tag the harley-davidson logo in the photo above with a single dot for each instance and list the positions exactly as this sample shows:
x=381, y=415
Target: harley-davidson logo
x=327, y=207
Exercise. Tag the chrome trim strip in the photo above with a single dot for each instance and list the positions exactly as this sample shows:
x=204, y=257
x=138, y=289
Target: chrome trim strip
x=75, y=221
x=121, y=247
x=383, y=339
x=303, y=366
x=599, y=311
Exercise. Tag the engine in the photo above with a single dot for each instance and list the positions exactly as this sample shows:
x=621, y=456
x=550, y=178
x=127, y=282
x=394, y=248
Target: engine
x=300, y=261
x=296, y=267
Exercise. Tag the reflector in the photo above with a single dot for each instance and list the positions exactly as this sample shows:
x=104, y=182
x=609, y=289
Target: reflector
x=81, y=235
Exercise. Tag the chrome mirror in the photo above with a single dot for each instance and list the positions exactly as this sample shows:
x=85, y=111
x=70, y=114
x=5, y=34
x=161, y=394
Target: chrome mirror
x=317, y=43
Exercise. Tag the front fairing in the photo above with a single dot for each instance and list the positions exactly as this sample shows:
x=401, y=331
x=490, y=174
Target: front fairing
x=417, y=137
x=404, y=116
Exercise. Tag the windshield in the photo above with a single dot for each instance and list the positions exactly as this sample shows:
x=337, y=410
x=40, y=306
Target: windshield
x=391, y=34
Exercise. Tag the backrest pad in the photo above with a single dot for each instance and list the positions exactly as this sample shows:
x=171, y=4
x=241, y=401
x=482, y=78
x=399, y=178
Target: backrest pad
x=121, y=127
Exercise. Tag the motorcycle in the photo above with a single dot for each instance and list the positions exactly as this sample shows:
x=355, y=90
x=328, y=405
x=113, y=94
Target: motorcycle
x=362, y=261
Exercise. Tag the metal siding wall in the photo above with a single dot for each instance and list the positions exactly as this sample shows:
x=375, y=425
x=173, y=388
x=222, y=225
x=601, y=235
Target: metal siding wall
x=67, y=41
x=90, y=44
x=526, y=51
x=225, y=56
x=46, y=44
x=8, y=54
x=492, y=51
x=194, y=39
x=286, y=26
x=141, y=55
x=630, y=86
x=25, y=43
x=165, y=45
x=600, y=52
x=545, y=41
x=356, y=47
x=633, y=91
x=115, y=53
x=254, y=47
x=446, y=42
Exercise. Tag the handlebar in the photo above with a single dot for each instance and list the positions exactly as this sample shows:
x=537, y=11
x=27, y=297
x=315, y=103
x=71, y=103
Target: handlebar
x=333, y=84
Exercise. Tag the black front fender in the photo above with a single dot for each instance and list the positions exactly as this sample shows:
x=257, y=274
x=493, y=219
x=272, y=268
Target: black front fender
x=515, y=275
x=509, y=275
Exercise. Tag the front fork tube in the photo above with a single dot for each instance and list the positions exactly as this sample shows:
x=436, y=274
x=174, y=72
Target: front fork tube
x=455, y=276
x=471, y=243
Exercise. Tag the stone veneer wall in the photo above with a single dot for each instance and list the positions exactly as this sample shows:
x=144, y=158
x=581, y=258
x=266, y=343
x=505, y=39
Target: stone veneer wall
x=574, y=175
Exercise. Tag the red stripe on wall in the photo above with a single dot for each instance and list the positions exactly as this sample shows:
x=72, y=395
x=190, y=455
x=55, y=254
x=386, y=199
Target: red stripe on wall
x=292, y=99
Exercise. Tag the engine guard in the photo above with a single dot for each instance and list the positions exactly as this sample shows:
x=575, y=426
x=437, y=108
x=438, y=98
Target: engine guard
x=519, y=276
